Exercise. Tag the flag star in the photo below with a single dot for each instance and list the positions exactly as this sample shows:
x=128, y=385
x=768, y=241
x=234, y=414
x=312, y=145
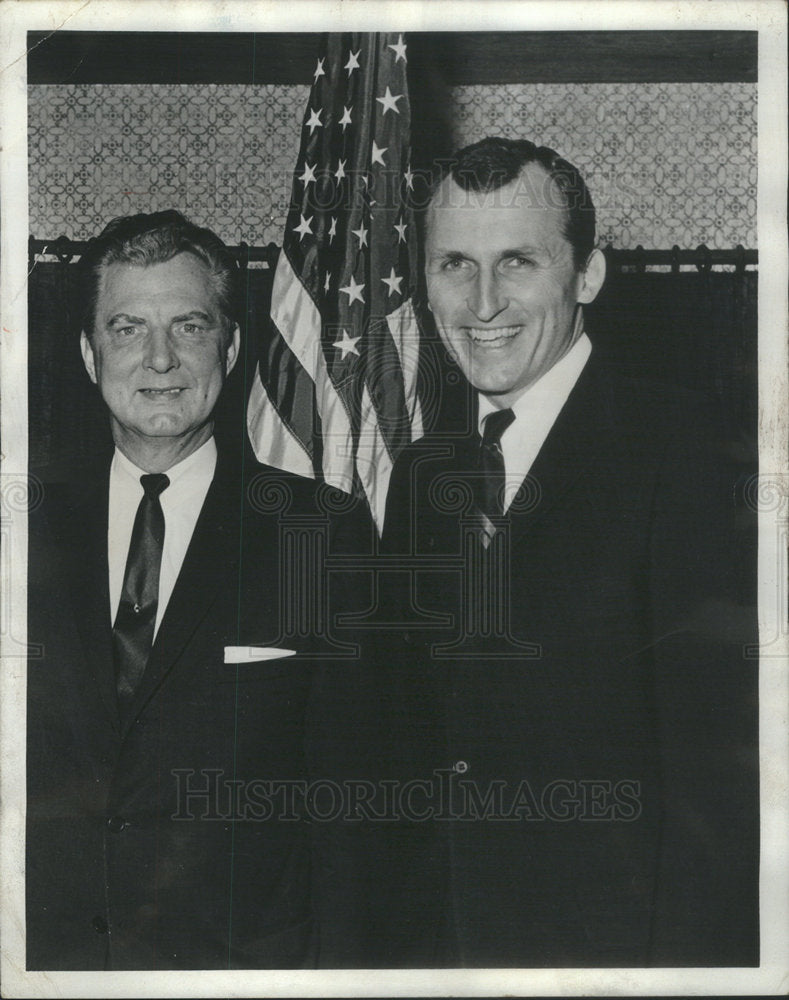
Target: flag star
x=389, y=101
x=377, y=155
x=346, y=117
x=353, y=62
x=347, y=345
x=332, y=230
x=399, y=49
x=393, y=281
x=320, y=71
x=327, y=281
x=361, y=233
x=353, y=291
x=303, y=228
x=401, y=228
x=308, y=175
x=339, y=173
x=314, y=121
x=409, y=178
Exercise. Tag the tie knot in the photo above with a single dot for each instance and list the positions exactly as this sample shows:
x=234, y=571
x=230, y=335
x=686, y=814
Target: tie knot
x=154, y=484
x=495, y=425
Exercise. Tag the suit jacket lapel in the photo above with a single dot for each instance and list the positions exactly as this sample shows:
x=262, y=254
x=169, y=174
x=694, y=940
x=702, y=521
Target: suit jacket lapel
x=573, y=443
x=87, y=577
x=204, y=575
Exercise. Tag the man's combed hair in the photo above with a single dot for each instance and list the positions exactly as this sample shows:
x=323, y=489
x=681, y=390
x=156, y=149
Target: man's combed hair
x=155, y=238
x=495, y=162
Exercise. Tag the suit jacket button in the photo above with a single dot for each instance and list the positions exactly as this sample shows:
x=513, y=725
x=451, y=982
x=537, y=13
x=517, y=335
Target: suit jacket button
x=116, y=823
x=100, y=925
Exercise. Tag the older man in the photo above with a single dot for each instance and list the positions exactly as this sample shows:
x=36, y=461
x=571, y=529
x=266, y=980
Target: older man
x=594, y=716
x=163, y=690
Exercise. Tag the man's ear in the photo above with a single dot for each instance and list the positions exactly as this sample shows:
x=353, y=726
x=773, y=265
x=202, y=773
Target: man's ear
x=232, y=350
x=87, y=356
x=593, y=277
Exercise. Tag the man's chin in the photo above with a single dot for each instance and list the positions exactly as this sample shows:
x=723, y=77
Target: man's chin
x=490, y=384
x=163, y=425
x=166, y=426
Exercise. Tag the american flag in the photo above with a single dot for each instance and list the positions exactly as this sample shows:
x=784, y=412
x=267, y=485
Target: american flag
x=335, y=391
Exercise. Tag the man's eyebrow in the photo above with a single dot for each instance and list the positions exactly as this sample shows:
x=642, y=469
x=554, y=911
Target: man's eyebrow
x=526, y=250
x=124, y=318
x=193, y=314
x=181, y=318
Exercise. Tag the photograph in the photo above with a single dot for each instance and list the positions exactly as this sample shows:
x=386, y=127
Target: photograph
x=394, y=498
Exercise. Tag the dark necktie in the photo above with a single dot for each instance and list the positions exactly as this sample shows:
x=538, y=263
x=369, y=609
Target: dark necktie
x=132, y=633
x=491, y=467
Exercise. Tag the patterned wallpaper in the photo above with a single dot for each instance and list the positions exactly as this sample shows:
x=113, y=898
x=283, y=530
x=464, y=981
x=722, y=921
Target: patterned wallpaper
x=222, y=155
x=666, y=163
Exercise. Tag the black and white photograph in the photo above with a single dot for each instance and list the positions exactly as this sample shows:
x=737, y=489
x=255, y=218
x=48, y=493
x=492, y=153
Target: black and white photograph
x=394, y=498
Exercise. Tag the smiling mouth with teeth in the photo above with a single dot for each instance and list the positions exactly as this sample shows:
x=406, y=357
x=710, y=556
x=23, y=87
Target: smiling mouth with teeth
x=163, y=392
x=491, y=338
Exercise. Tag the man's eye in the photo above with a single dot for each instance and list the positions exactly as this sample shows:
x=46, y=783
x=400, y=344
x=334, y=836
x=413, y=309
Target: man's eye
x=127, y=331
x=519, y=261
x=191, y=328
x=453, y=264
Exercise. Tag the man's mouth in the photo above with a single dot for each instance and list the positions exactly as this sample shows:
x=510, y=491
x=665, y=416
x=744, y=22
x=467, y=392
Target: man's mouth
x=163, y=393
x=491, y=338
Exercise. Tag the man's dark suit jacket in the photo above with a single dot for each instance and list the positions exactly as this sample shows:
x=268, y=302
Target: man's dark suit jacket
x=118, y=875
x=628, y=730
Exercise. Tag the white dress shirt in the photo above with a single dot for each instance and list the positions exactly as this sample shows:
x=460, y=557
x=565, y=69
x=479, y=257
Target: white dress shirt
x=181, y=503
x=535, y=412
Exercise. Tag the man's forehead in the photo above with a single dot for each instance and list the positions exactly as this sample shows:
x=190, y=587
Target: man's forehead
x=530, y=210
x=181, y=275
x=181, y=264
x=533, y=188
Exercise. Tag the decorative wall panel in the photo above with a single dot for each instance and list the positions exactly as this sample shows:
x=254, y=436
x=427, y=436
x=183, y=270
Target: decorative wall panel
x=222, y=155
x=666, y=163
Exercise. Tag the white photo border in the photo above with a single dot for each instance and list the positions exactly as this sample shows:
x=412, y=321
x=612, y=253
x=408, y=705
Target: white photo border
x=768, y=17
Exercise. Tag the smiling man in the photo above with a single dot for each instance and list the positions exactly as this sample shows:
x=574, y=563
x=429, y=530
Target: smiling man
x=159, y=348
x=588, y=712
x=146, y=725
x=507, y=269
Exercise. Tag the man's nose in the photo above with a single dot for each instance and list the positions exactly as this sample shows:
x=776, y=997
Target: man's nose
x=160, y=354
x=487, y=299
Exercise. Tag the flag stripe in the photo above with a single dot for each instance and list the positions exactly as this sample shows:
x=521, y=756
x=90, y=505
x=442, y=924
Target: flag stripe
x=271, y=436
x=405, y=335
x=297, y=317
x=373, y=461
x=289, y=388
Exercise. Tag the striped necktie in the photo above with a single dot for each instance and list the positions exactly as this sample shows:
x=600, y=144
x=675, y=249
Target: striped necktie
x=492, y=473
x=132, y=633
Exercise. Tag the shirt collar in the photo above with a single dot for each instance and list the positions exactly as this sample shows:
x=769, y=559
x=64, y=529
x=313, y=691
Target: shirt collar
x=199, y=464
x=556, y=383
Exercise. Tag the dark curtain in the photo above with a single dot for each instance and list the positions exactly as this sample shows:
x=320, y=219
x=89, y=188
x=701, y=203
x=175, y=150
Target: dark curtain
x=695, y=329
